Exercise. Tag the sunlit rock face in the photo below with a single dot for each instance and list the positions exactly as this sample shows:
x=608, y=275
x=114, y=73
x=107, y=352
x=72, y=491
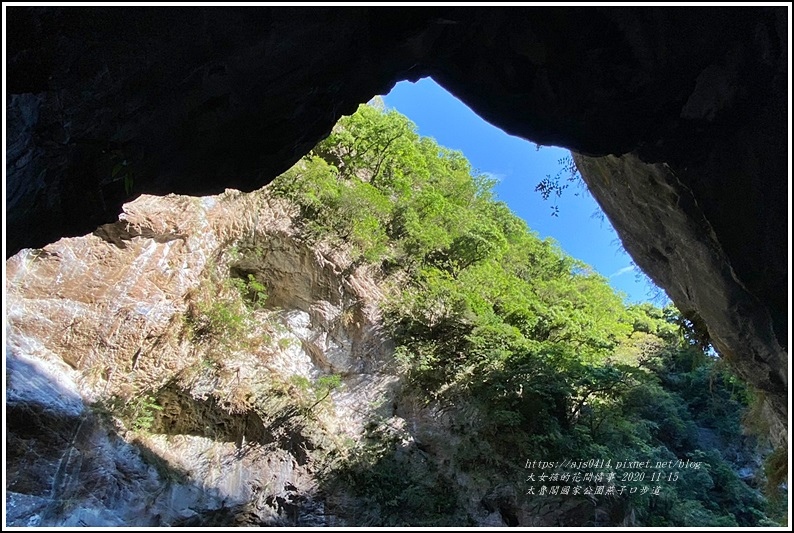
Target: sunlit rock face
x=105, y=104
x=105, y=318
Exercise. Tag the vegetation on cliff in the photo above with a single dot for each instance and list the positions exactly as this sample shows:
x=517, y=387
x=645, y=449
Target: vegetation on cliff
x=531, y=354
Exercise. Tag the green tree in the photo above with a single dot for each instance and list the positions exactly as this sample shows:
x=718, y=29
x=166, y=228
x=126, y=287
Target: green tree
x=530, y=347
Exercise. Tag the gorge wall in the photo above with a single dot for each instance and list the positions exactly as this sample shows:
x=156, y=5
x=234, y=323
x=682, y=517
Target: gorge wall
x=679, y=116
x=143, y=391
x=132, y=409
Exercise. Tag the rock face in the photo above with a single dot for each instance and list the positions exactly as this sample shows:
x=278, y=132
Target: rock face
x=108, y=103
x=103, y=324
x=150, y=385
x=686, y=257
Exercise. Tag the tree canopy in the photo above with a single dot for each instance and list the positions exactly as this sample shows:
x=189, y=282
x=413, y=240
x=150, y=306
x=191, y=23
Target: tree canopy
x=488, y=315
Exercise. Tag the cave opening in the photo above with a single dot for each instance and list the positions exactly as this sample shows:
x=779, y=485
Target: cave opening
x=688, y=106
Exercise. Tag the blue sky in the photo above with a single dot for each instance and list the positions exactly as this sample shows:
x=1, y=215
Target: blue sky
x=580, y=229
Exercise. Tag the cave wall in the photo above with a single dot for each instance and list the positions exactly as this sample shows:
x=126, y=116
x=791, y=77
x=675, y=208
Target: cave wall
x=686, y=257
x=104, y=104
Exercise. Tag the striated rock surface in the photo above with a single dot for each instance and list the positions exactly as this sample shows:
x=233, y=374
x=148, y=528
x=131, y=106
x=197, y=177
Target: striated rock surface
x=101, y=346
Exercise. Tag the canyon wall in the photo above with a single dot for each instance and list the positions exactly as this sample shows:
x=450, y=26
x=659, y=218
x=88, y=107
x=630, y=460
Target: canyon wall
x=679, y=116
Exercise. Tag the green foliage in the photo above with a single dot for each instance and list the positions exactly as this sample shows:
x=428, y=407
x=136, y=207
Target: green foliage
x=138, y=412
x=395, y=485
x=225, y=318
x=302, y=383
x=121, y=169
x=220, y=314
x=325, y=384
x=538, y=348
x=253, y=291
x=553, y=186
x=141, y=411
x=309, y=395
x=221, y=320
